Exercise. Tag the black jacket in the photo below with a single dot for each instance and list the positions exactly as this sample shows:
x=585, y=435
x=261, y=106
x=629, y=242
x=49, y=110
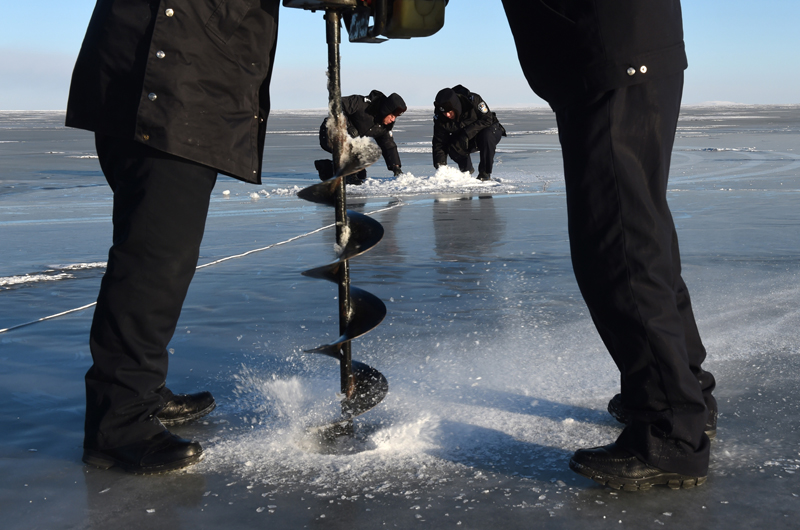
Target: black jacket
x=472, y=117
x=365, y=116
x=188, y=77
x=574, y=49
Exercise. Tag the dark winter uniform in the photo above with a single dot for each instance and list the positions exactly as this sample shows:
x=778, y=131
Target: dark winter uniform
x=613, y=72
x=365, y=115
x=189, y=78
x=474, y=128
x=175, y=91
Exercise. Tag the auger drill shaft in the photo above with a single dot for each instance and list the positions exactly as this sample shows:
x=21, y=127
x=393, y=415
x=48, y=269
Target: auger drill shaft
x=333, y=38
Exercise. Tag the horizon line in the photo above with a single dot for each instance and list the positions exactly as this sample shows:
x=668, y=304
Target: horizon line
x=499, y=107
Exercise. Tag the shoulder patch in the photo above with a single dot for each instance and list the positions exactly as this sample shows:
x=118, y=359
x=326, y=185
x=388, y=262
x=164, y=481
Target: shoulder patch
x=482, y=107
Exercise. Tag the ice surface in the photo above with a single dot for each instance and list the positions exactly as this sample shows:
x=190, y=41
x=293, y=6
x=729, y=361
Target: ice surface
x=495, y=372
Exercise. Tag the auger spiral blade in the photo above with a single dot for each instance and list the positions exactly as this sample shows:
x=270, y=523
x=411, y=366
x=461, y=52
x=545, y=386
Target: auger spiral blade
x=365, y=233
x=322, y=193
x=368, y=311
x=354, y=161
x=357, y=155
x=359, y=311
x=370, y=389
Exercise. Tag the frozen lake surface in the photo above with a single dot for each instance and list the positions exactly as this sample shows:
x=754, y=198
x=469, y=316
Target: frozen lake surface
x=496, y=374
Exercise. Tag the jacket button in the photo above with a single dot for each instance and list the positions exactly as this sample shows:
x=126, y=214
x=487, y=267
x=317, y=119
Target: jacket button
x=643, y=69
x=169, y=12
x=160, y=54
x=631, y=70
x=152, y=96
x=145, y=137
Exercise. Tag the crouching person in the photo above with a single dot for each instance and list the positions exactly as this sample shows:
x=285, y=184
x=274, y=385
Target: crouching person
x=374, y=116
x=463, y=124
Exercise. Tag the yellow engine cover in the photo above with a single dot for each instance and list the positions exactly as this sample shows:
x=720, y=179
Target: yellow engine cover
x=415, y=18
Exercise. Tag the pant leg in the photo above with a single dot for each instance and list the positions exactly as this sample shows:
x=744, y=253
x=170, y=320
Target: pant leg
x=486, y=143
x=694, y=344
x=616, y=153
x=160, y=207
x=324, y=140
x=464, y=161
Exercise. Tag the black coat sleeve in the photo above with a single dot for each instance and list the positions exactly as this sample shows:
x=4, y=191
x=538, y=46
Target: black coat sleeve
x=441, y=140
x=389, y=149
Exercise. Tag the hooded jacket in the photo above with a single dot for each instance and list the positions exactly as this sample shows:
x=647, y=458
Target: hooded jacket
x=472, y=116
x=187, y=77
x=365, y=115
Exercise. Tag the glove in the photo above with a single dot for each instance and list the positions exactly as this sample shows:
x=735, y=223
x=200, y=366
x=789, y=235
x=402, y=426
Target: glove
x=397, y=171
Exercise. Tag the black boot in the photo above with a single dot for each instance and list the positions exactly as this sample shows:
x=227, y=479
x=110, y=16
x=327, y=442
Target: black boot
x=357, y=179
x=484, y=176
x=615, y=467
x=160, y=453
x=183, y=408
x=324, y=168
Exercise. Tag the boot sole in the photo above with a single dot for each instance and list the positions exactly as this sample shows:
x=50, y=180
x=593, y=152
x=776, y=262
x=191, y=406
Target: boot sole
x=188, y=418
x=672, y=480
x=103, y=461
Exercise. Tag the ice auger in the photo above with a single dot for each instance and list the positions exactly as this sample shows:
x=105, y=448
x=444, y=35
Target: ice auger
x=362, y=386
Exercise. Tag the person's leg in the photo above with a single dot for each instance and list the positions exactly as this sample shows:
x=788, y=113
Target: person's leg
x=694, y=345
x=464, y=161
x=160, y=207
x=324, y=166
x=486, y=143
x=696, y=352
x=616, y=153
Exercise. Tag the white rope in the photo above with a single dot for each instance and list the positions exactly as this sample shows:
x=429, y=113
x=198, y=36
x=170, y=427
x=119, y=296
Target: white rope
x=87, y=306
x=264, y=248
x=209, y=264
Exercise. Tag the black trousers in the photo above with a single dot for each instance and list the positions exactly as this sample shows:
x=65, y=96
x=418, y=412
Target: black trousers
x=484, y=142
x=616, y=151
x=160, y=207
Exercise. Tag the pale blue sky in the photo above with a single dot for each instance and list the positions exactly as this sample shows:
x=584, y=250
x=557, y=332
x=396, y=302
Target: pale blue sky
x=739, y=51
